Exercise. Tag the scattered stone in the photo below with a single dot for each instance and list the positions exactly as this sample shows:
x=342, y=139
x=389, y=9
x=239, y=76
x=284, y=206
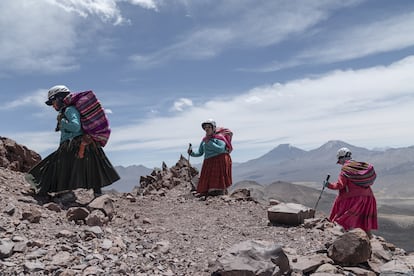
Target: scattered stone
x=33, y=215
x=77, y=213
x=31, y=267
x=253, y=258
x=289, y=214
x=6, y=248
x=10, y=209
x=103, y=203
x=53, y=206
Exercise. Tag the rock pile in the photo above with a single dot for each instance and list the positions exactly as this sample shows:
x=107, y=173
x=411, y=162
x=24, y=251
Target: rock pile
x=164, y=230
x=166, y=178
x=15, y=156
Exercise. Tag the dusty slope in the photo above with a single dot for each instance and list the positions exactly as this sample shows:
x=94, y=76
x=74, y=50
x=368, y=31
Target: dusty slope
x=170, y=233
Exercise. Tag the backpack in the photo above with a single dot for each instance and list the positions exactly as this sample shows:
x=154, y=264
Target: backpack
x=225, y=135
x=93, y=118
x=360, y=173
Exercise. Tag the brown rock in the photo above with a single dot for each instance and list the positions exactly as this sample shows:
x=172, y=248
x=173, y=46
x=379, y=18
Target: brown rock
x=16, y=157
x=351, y=248
x=77, y=213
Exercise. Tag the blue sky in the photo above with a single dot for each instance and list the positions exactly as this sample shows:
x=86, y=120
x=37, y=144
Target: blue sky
x=292, y=71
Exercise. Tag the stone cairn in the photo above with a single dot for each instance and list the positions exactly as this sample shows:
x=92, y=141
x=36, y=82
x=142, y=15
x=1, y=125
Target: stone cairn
x=167, y=178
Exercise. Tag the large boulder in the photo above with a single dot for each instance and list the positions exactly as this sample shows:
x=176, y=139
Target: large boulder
x=352, y=248
x=253, y=257
x=289, y=214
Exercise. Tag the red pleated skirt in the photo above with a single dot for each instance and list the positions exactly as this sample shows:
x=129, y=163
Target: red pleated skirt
x=215, y=174
x=355, y=212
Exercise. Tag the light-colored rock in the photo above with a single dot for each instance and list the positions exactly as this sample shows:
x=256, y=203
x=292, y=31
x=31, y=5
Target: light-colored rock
x=289, y=213
x=253, y=258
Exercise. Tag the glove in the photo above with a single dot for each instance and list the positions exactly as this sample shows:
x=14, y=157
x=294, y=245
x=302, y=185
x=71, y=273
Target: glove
x=326, y=183
x=189, y=151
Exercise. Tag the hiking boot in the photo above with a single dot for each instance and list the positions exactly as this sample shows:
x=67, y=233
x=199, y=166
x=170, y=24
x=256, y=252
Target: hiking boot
x=216, y=193
x=97, y=192
x=202, y=198
x=43, y=198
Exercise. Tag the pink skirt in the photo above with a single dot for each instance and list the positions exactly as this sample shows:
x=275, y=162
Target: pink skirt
x=355, y=212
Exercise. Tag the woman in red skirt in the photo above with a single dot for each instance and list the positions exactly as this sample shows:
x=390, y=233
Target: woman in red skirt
x=215, y=176
x=355, y=206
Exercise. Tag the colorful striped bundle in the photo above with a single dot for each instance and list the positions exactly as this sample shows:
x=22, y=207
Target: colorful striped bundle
x=225, y=135
x=359, y=173
x=93, y=117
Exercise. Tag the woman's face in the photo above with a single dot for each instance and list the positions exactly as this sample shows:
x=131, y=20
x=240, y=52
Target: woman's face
x=55, y=105
x=341, y=161
x=209, y=129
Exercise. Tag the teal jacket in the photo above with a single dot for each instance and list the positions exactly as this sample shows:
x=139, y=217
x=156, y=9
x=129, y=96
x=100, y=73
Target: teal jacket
x=213, y=148
x=70, y=126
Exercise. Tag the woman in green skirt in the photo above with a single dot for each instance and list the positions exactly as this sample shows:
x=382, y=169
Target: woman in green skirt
x=79, y=162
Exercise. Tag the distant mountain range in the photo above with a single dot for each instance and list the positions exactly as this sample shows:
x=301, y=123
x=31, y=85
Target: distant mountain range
x=394, y=167
x=129, y=177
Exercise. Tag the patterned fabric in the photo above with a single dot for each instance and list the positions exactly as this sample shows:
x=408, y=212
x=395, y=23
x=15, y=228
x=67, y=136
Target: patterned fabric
x=359, y=173
x=223, y=134
x=93, y=118
x=216, y=174
x=64, y=170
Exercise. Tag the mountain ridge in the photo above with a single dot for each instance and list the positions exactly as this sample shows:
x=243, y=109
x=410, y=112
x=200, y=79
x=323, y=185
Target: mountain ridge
x=394, y=167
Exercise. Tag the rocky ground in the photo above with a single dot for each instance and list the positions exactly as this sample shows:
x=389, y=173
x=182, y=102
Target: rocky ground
x=159, y=232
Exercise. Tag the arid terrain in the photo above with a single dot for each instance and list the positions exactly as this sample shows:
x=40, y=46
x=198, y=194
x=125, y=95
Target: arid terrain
x=161, y=228
x=165, y=232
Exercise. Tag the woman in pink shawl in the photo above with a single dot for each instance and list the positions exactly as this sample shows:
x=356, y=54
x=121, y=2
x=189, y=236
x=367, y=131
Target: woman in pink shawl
x=216, y=174
x=355, y=206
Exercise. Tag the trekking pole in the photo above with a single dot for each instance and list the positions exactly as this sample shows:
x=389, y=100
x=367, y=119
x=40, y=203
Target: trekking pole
x=190, y=148
x=323, y=188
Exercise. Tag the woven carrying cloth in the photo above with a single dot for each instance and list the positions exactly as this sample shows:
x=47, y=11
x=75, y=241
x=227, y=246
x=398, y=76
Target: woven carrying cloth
x=93, y=117
x=359, y=173
x=223, y=134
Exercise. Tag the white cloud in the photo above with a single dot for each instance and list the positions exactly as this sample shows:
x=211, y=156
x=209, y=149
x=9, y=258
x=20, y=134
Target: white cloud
x=23, y=48
x=48, y=35
x=37, y=98
x=149, y=4
x=369, y=107
x=361, y=40
x=355, y=41
x=107, y=10
x=245, y=25
x=182, y=104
